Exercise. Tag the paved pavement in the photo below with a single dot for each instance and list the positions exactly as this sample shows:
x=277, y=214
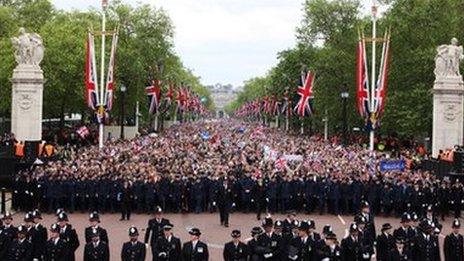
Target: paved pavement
x=212, y=233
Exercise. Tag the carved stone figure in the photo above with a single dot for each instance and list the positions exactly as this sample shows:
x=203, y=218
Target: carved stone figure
x=448, y=59
x=29, y=48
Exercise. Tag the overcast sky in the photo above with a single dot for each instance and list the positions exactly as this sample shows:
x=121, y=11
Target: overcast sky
x=225, y=41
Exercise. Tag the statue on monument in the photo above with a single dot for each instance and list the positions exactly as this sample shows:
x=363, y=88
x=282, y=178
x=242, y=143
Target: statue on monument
x=448, y=59
x=29, y=49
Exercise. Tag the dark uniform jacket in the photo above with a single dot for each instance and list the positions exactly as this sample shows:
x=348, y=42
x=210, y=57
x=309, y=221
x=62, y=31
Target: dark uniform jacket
x=395, y=255
x=99, y=253
x=302, y=249
x=272, y=246
x=408, y=234
x=351, y=249
x=38, y=239
x=199, y=253
x=70, y=237
x=20, y=251
x=168, y=250
x=331, y=254
x=102, y=232
x=384, y=244
x=425, y=250
x=56, y=252
x=154, y=230
x=133, y=251
x=453, y=247
x=255, y=251
x=234, y=252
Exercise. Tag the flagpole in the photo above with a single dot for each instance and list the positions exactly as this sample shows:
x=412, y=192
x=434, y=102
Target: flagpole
x=372, y=92
x=326, y=126
x=102, y=74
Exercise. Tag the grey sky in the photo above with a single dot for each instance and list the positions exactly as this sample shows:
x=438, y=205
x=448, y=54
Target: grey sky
x=225, y=41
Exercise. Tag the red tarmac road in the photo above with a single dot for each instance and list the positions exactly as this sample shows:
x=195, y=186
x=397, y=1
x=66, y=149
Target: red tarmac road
x=212, y=233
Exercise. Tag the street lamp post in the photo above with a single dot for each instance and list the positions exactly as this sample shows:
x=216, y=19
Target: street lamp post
x=345, y=95
x=123, y=97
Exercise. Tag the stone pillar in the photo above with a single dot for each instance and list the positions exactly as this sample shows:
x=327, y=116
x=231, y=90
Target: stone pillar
x=447, y=113
x=27, y=102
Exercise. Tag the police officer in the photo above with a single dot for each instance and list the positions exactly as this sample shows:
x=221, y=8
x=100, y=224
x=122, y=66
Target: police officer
x=167, y=246
x=453, y=246
x=20, y=249
x=270, y=241
x=94, y=220
x=404, y=231
x=126, y=197
x=352, y=244
x=155, y=228
x=96, y=250
x=400, y=252
x=134, y=250
x=55, y=248
x=331, y=251
x=9, y=230
x=425, y=244
x=254, y=250
x=225, y=201
x=235, y=250
x=302, y=247
x=69, y=235
x=3, y=242
x=385, y=242
x=369, y=218
x=195, y=250
x=39, y=236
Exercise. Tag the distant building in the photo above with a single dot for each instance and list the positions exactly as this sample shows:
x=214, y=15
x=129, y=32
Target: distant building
x=222, y=95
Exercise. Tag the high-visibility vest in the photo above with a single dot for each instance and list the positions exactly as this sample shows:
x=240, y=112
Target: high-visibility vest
x=19, y=149
x=49, y=150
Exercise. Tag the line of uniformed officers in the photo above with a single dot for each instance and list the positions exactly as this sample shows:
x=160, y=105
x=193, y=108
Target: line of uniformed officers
x=287, y=239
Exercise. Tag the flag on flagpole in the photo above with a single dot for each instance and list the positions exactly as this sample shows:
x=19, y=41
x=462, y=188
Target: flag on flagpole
x=91, y=85
x=305, y=91
x=362, y=82
x=381, y=87
x=153, y=92
x=110, y=77
x=83, y=132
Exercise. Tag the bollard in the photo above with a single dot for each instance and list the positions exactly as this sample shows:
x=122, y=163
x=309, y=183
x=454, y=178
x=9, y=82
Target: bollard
x=3, y=210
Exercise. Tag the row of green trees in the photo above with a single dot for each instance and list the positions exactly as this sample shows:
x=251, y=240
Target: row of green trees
x=326, y=43
x=145, y=40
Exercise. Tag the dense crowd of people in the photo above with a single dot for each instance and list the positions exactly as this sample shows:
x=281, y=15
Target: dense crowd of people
x=264, y=169
x=277, y=240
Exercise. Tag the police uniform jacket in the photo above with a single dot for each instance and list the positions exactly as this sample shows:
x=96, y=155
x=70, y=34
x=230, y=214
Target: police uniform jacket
x=272, y=246
x=384, y=244
x=351, y=248
x=99, y=253
x=69, y=235
x=331, y=254
x=102, y=232
x=197, y=253
x=168, y=249
x=20, y=251
x=55, y=251
x=425, y=250
x=234, y=252
x=38, y=240
x=453, y=247
x=155, y=230
x=395, y=255
x=255, y=251
x=133, y=251
x=302, y=249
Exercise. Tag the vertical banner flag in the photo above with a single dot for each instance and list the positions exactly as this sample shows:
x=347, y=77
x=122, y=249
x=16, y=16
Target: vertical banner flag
x=305, y=91
x=110, y=78
x=91, y=93
x=153, y=92
x=362, y=83
x=381, y=87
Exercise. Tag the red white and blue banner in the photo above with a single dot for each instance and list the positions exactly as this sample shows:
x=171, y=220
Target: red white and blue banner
x=109, y=90
x=153, y=92
x=382, y=82
x=305, y=91
x=362, y=80
x=91, y=86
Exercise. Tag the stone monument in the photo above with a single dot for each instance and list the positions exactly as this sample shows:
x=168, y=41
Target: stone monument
x=27, y=91
x=448, y=103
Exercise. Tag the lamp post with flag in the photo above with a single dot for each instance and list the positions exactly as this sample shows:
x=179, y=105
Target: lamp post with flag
x=371, y=96
x=100, y=96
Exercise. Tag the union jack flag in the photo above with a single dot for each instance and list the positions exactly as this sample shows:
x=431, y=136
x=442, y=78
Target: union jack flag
x=91, y=93
x=362, y=82
x=305, y=91
x=280, y=164
x=110, y=77
x=153, y=92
